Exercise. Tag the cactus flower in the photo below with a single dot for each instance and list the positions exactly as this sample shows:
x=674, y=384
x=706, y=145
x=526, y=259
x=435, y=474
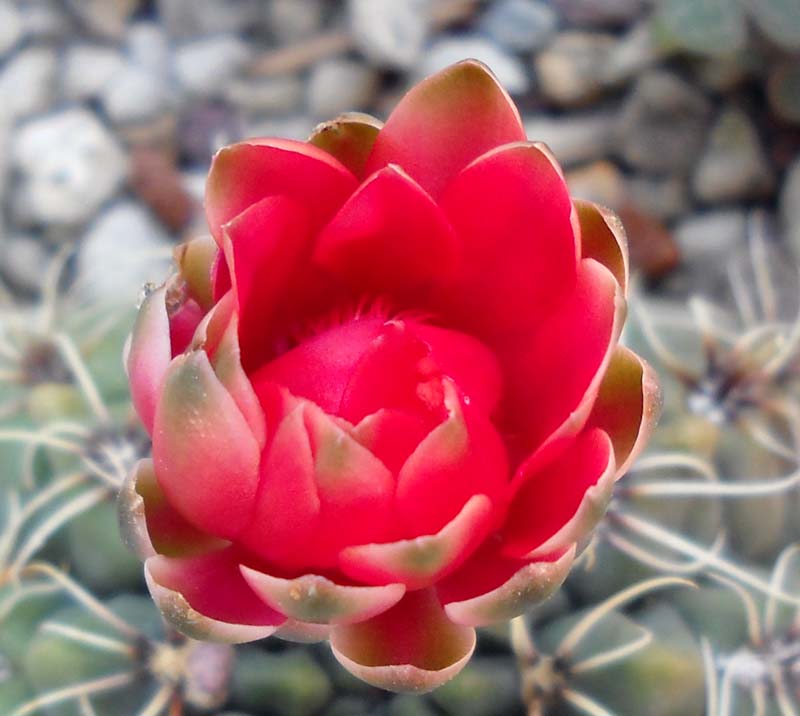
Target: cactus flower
x=386, y=396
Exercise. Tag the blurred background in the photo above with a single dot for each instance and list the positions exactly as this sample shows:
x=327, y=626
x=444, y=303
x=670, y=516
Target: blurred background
x=681, y=115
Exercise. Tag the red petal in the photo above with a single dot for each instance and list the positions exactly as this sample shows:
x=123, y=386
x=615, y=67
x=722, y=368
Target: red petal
x=316, y=599
x=207, y=598
x=444, y=123
x=245, y=173
x=421, y=561
x=461, y=457
x=389, y=237
x=205, y=455
x=557, y=505
x=410, y=647
x=183, y=322
x=512, y=212
x=391, y=435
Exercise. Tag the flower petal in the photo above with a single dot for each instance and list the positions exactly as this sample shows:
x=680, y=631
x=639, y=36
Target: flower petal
x=463, y=456
x=421, y=561
x=491, y=588
x=205, y=455
x=149, y=355
x=603, y=239
x=627, y=405
x=559, y=504
x=245, y=173
x=150, y=525
x=195, y=259
x=410, y=647
x=390, y=236
x=318, y=600
x=207, y=598
x=391, y=435
x=512, y=213
x=349, y=138
x=444, y=122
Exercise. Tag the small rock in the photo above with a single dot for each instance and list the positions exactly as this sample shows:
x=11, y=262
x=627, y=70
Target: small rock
x=652, y=247
x=340, y=85
x=574, y=138
x=783, y=91
x=10, y=27
x=662, y=197
x=124, y=249
x=205, y=66
x=662, y=123
x=294, y=20
x=571, y=69
x=271, y=95
x=156, y=181
x=70, y=164
x=733, y=165
x=789, y=206
x=631, y=54
x=192, y=18
x=600, y=182
x=46, y=20
x=104, y=17
x=390, y=32
x=707, y=240
x=28, y=82
x=204, y=127
x=134, y=95
x=722, y=75
x=23, y=259
x=149, y=47
x=520, y=25
x=593, y=13
x=87, y=69
x=448, y=50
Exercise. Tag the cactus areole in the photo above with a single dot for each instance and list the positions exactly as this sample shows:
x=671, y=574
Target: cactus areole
x=386, y=396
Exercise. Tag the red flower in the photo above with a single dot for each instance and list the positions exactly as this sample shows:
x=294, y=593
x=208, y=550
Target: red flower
x=387, y=401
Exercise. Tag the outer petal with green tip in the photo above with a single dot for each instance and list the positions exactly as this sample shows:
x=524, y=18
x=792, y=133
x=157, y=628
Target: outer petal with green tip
x=603, y=239
x=349, y=138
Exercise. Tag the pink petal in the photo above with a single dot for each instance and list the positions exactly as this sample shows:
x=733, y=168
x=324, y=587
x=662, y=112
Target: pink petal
x=316, y=599
x=445, y=122
x=461, y=457
x=207, y=598
x=183, y=322
x=491, y=588
x=245, y=173
x=389, y=237
x=410, y=647
x=149, y=355
x=421, y=561
x=559, y=504
x=205, y=455
x=391, y=435
x=627, y=406
x=150, y=525
x=349, y=138
x=603, y=239
x=512, y=213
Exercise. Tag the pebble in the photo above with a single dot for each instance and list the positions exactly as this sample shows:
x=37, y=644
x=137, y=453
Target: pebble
x=574, y=138
x=106, y=18
x=46, y=20
x=154, y=178
x=205, y=66
x=789, y=206
x=571, y=69
x=733, y=165
x=391, y=33
x=149, y=47
x=444, y=52
x=520, y=25
x=600, y=182
x=662, y=123
x=270, y=95
x=709, y=239
x=28, y=82
x=651, y=245
x=663, y=197
x=24, y=255
x=135, y=95
x=783, y=90
x=10, y=27
x=123, y=249
x=88, y=69
x=339, y=85
x=634, y=52
x=599, y=13
x=293, y=20
x=69, y=164
x=193, y=18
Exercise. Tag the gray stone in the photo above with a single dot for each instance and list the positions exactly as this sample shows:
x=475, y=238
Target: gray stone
x=571, y=69
x=574, y=138
x=149, y=47
x=339, y=85
x=104, y=17
x=710, y=238
x=295, y=126
x=634, y=52
x=69, y=164
x=46, y=20
x=135, y=95
x=600, y=182
x=789, y=206
x=444, y=52
x=23, y=258
x=192, y=18
x=733, y=165
x=10, y=27
x=87, y=70
x=662, y=197
x=599, y=13
x=123, y=249
x=390, y=32
x=294, y=20
x=28, y=82
x=520, y=25
x=205, y=66
x=662, y=123
x=271, y=95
